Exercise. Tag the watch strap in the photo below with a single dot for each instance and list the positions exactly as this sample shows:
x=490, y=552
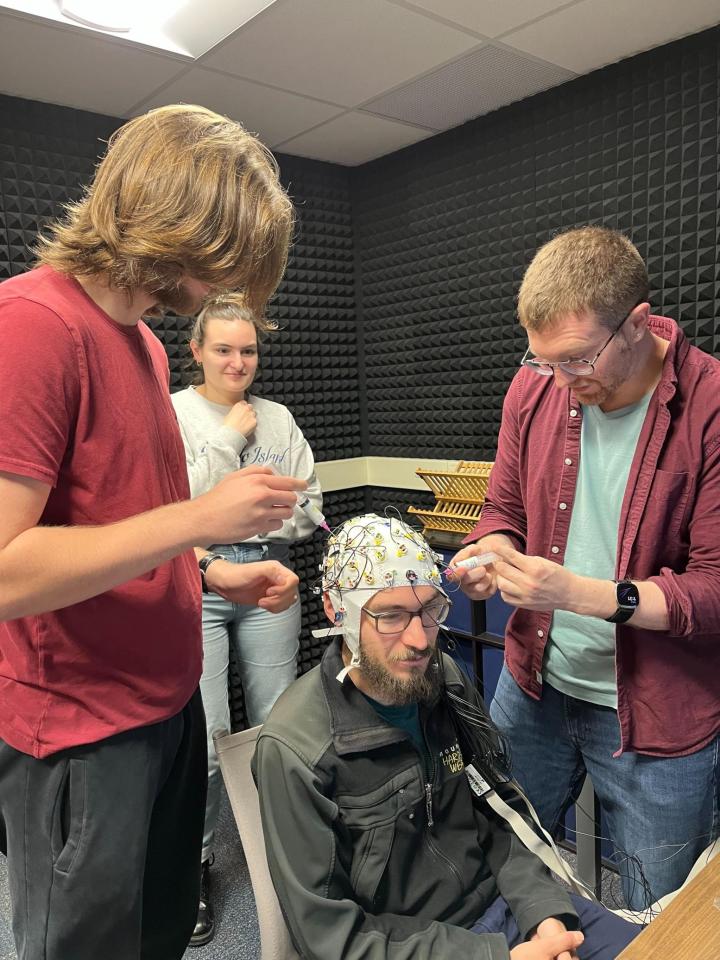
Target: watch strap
x=621, y=615
x=204, y=563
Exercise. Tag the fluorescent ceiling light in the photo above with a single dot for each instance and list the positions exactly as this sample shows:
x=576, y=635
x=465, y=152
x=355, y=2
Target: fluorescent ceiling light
x=118, y=16
x=184, y=28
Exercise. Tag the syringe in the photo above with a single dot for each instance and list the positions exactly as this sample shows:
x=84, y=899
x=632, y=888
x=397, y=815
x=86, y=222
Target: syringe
x=479, y=560
x=312, y=512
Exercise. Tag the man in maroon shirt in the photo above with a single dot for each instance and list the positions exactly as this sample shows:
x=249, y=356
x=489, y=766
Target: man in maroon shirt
x=615, y=674
x=102, y=753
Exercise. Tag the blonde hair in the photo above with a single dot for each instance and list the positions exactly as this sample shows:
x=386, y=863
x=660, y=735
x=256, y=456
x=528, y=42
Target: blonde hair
x=181, y=191
x=230, y=307
x=589, y=269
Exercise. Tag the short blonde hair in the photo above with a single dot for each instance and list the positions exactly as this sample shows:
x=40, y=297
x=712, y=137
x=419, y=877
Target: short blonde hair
x=589, y=269
x=181, y=191
x=226, y=306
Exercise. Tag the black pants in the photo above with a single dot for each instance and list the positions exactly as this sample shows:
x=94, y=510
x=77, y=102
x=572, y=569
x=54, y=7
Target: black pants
x=104, y=841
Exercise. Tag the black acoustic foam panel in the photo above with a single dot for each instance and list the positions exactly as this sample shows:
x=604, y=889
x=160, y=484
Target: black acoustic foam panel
x=389, y=500
x=445, y=229
x=311, y=364
x=46, y=155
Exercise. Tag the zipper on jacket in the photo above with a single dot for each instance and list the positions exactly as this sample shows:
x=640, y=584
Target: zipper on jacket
x=449, y=865
x=428, y=804
x=430, y=772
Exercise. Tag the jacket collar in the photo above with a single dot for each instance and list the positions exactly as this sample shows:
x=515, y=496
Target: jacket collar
x=354, y=725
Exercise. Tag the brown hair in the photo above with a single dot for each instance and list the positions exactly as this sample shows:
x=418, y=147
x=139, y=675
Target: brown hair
x=589, y=269
x=226, y=306
x=180, y=191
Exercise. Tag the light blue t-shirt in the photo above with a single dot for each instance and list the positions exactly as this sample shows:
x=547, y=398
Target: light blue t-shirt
x=580, y=654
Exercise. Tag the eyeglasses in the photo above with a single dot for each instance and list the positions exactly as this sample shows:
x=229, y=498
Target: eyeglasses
x=395, y=621
x=576, y=368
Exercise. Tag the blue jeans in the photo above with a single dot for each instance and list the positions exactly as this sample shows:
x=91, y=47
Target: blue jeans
x=661, y=813
x=265, y=645
x=605, y=934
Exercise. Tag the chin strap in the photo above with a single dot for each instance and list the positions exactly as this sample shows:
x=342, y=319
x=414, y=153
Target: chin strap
x=327, y=632
x=354, y=662
x=324, y=632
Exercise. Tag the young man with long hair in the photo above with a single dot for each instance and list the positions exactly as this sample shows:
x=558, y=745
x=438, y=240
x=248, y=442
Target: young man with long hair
x=102, y=737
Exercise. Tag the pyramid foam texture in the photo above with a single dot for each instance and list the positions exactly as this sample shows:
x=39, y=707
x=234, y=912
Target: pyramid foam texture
x=444, y=230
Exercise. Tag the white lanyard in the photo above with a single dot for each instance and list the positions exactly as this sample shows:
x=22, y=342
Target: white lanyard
x=548, y=852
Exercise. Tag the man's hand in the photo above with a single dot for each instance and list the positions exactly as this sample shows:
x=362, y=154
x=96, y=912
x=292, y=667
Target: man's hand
x=552, y=927
x=245, y=503
x=556, y=947
x=481, y=582
x=533, y=582
x=267, y=584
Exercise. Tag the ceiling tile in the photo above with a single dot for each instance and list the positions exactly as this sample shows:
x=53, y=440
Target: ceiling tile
x=74, y=69
x=273, y=114
x=345, y=51
x=354, y=138
x=593, y=33
x=477, y=83
x=488, y=16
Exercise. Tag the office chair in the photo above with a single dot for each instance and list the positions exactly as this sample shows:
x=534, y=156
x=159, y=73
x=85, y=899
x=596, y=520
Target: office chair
x=234, y=751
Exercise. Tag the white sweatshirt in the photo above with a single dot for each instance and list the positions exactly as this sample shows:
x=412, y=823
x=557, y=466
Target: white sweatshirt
x=212, y=450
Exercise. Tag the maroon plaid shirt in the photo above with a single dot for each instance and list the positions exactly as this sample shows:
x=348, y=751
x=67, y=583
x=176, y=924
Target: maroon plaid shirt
x=669, y=533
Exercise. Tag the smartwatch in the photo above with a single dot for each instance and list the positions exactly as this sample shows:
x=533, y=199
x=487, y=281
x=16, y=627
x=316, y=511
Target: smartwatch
x=628, y=600
x=204, y=563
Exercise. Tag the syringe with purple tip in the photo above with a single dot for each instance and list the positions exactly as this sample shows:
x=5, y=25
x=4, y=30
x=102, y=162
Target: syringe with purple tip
x=312, y=512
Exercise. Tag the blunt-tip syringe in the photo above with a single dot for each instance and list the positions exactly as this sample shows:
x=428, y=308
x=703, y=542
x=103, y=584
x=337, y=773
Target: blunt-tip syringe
x=312, y=512
x=478, y=560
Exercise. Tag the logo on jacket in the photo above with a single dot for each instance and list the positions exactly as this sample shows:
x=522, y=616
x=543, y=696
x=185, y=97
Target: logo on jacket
x=452, y=758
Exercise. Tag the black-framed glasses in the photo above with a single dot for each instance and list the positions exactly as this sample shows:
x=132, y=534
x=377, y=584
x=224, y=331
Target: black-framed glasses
x=396, y=621
x=576, y=368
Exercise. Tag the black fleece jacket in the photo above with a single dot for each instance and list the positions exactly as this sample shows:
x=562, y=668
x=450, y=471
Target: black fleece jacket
x=370, y=861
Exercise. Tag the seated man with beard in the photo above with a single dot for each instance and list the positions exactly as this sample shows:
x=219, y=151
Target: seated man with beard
x=377, y=848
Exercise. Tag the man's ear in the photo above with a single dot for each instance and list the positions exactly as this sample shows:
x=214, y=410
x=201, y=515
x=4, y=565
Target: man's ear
x=638, y=321
x=328, y=608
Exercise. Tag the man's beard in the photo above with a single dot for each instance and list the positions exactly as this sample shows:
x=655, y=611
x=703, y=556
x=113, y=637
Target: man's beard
x=623, y=372
x=389, y=688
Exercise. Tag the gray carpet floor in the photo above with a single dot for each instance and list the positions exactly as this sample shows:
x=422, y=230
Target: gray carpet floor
x=237, y=936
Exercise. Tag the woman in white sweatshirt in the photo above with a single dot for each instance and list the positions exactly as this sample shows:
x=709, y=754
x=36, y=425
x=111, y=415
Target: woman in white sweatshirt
x=224, y=428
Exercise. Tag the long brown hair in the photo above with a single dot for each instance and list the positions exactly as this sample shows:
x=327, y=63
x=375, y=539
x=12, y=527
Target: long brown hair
x=181, y=191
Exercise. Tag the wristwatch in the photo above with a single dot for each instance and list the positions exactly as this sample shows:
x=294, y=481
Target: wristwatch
x=628, y=600
x=204, y=563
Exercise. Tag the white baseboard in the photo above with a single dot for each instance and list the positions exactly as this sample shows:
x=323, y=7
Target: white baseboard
x=397, y=472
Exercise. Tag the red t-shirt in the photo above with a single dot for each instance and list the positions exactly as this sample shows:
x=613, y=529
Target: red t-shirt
x=85, y=406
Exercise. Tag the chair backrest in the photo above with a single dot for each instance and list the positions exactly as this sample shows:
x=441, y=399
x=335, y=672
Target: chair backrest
x=234, y=751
